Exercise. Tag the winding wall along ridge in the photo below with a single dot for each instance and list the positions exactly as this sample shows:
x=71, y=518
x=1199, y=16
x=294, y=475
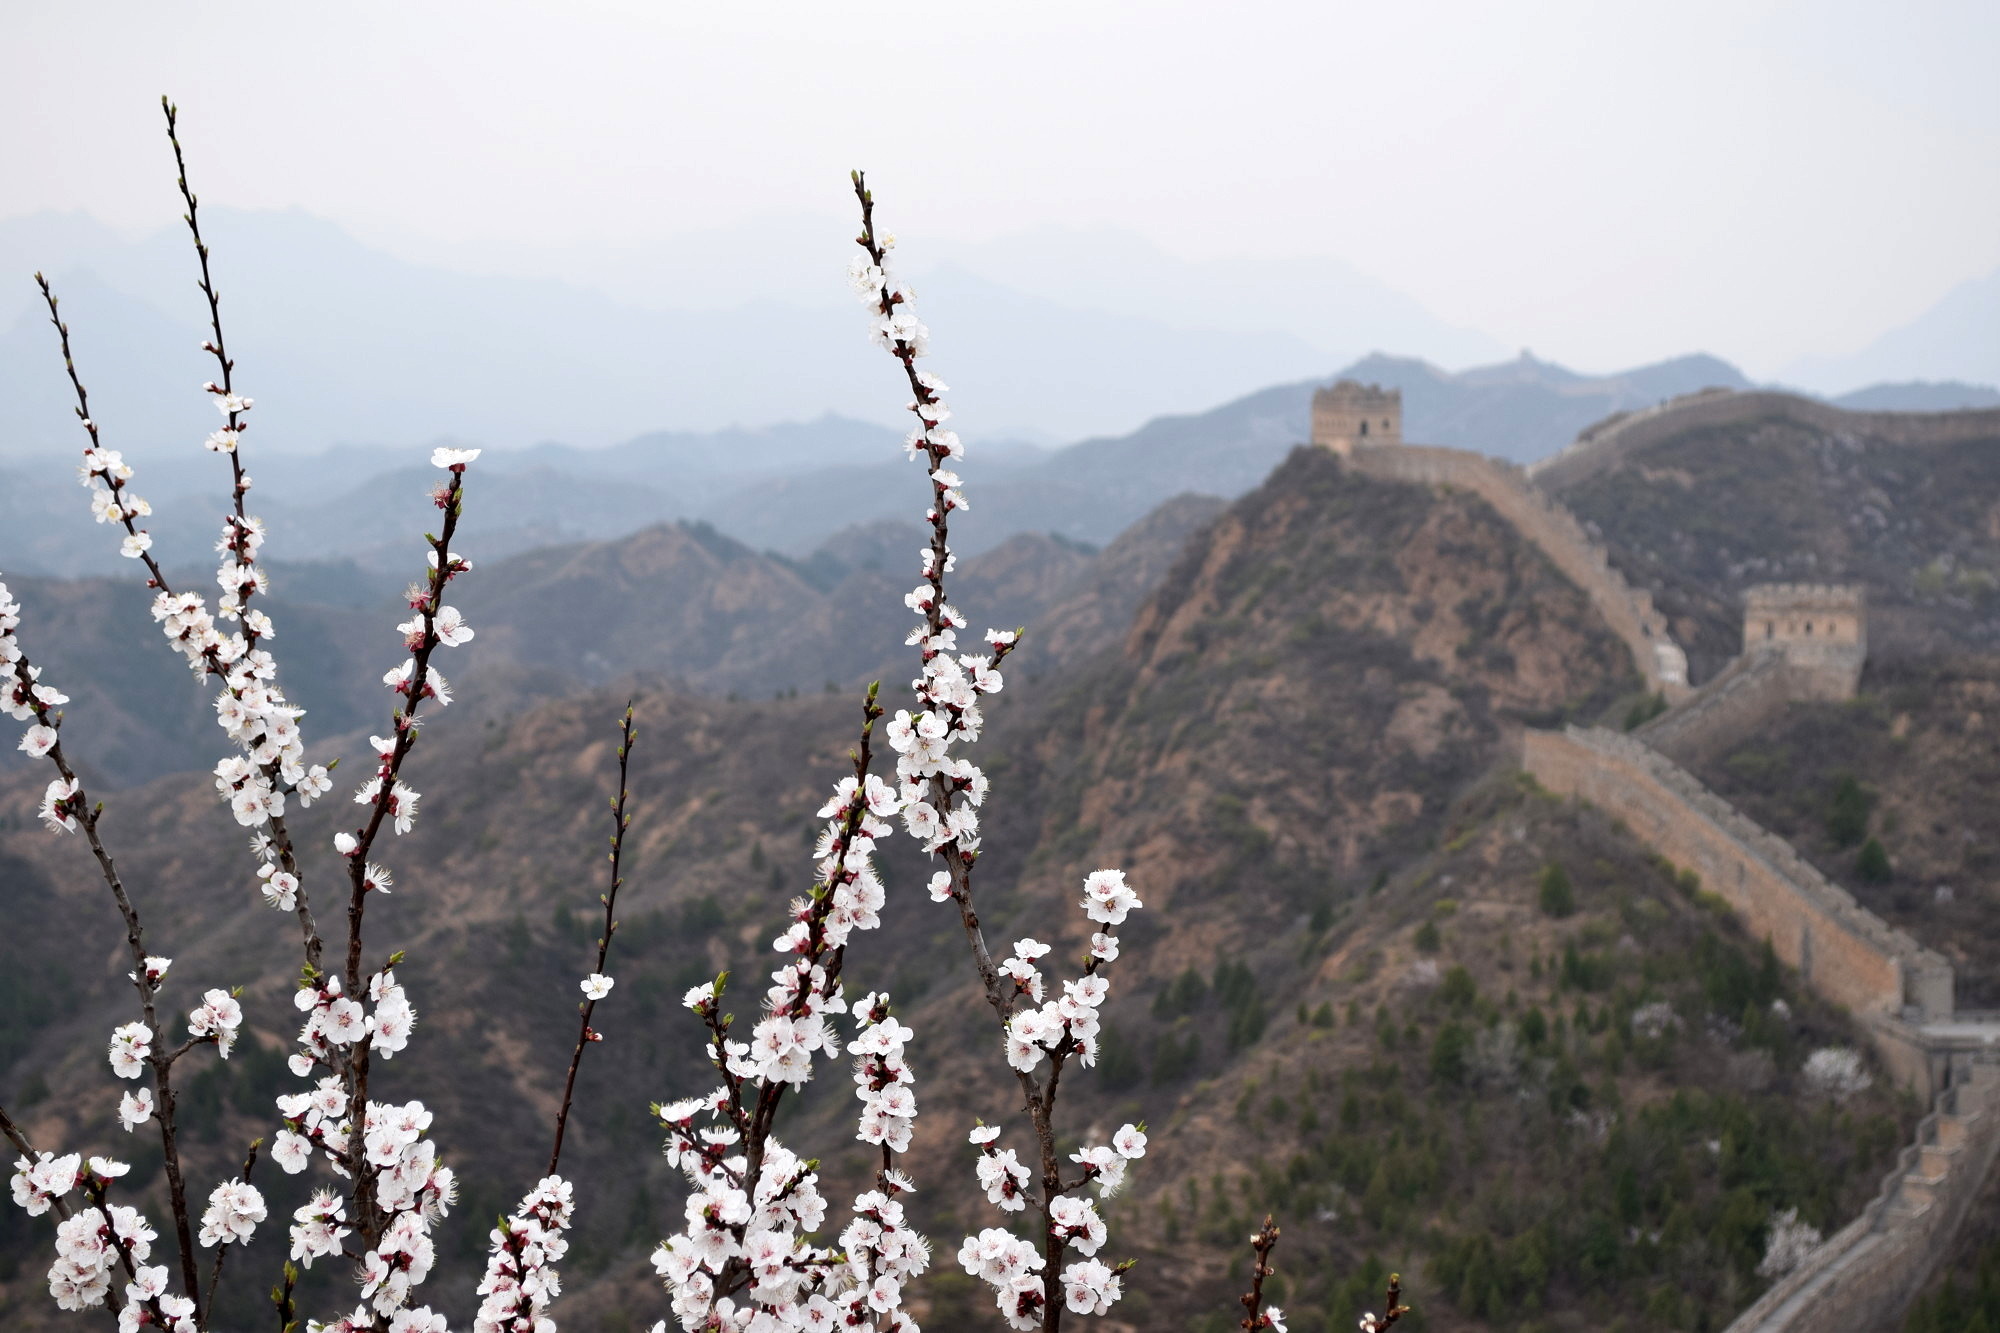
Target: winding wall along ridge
x=1612, y=441
x=1866, y=1274
x=1842, y=950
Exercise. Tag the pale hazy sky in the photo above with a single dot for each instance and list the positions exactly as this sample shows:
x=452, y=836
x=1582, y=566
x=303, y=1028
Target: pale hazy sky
x=1605, y=182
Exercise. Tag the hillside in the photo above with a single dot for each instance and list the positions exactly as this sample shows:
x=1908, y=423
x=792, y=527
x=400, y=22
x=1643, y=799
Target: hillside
x=136, y=713
x=1286, y=754
x=1700, y=516
x=675, y=602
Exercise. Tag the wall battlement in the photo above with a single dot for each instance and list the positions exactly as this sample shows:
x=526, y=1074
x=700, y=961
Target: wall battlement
x=1800, y=641
x=1821, y=629
x=1617, y=438
x=1629, y=611
x=1351, y=415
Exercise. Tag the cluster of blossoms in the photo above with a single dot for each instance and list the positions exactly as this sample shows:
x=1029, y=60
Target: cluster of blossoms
x=95, y=1240
x=235, y=1208
x=105, y=472
x=25, y=698
x=219, y=1018
x=251, y=708
x=335, y=1020
x=1014, y=1267
x=520, y=1279
x=1067, y=1023
x=411, y=1187
x=39, y=1182
x=744, y=1261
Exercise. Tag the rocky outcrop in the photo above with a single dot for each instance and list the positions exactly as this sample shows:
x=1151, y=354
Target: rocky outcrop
x=1629, y=611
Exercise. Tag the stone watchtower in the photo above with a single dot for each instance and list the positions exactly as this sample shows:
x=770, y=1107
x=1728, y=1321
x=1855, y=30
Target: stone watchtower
x=1352, y=415
x=1821, y=630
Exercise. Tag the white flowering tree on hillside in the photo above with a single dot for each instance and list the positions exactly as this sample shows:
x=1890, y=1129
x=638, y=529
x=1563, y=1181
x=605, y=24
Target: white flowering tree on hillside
x=762, y=1249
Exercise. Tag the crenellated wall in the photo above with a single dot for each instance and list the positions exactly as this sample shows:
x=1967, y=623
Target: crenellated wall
x=1627, y=610
x=1841, y=950
x=1864, y=1276
x=1612, y=441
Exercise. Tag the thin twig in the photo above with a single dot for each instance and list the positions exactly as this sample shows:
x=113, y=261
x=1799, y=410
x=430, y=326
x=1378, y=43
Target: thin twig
x=620, y=821
x=238, y=535
x=86, y=815
x=281, y=1298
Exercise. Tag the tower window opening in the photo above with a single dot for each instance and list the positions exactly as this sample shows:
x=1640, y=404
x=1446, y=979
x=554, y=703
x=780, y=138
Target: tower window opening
x=1364, y=428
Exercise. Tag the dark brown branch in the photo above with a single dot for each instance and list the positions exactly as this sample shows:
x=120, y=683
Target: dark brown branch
x=87, y=816
x=1394, y=1308
x=405, y=724
x=1261, y=1244
x=620, y=821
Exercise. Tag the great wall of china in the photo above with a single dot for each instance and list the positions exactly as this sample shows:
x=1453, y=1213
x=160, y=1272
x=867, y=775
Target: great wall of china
x=1617, y=438
x=1801, y=642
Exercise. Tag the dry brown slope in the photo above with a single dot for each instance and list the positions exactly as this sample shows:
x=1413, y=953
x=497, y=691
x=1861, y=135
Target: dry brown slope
x=1295, y=717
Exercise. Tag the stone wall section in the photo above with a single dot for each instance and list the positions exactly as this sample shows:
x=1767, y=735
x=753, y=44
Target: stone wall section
x=1617, y=438
x=1745, y=694
x=1843, y=951
x=1864, y=1277
x=1627, y=610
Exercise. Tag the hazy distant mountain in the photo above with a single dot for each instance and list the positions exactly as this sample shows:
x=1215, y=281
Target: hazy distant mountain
x=1956, y=339
x=1920, y=396
x=789, y=488
x=345, y=344
x=372, y=504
